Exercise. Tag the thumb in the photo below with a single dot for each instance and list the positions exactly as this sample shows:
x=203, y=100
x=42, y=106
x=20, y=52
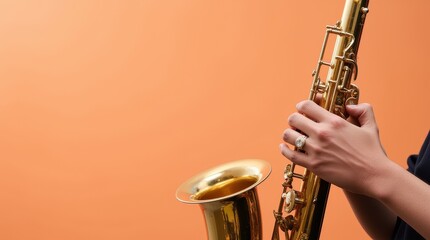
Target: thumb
x=363, y=113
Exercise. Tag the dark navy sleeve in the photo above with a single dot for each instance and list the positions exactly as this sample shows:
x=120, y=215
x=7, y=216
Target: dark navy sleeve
x=412, y=160
x=422, y=165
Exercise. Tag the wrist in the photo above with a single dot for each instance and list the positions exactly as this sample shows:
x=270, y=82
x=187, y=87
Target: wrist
x=386, y=182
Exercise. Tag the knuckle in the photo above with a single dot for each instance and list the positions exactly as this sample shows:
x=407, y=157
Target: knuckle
x=293, y=156
x=322, y=134
x=316, y=165
x=367, y=106
x=313, y=164
x=317, y=150
x=337, y=123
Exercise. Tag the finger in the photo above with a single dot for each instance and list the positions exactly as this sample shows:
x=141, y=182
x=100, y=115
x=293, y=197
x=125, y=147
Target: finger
x=313, y=111
x=302, y=123
x=353, y=120
x=363, y=113
x=294, y=156
x=290, y=136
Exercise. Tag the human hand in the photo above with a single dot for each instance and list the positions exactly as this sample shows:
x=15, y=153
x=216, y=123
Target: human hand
x=347, y=155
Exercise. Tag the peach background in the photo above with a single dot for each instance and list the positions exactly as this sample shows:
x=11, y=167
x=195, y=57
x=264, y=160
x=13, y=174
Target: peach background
x=107, y=106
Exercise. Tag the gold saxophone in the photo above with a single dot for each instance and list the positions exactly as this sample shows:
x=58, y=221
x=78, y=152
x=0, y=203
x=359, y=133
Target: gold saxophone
x=227, y=194
x=337, y=91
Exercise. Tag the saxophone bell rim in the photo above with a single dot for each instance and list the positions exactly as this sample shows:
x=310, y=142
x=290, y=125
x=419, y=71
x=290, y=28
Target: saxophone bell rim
x=255, y=168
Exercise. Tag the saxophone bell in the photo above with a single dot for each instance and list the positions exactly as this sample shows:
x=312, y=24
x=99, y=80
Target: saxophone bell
x=227, y=196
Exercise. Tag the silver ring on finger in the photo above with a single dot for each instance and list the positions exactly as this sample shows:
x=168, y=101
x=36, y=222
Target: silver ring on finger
x=300, y=142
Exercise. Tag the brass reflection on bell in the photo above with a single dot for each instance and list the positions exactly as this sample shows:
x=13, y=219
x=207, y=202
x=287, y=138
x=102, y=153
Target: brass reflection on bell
x=227, y=196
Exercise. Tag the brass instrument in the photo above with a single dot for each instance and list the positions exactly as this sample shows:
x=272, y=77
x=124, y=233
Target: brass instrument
x=337, y=91
x=227, y=196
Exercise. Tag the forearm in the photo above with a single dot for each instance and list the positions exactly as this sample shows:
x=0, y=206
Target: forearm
x=375, y=218
x=407, y=196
